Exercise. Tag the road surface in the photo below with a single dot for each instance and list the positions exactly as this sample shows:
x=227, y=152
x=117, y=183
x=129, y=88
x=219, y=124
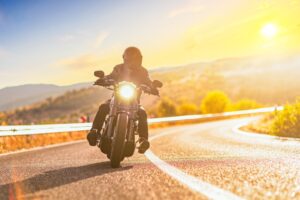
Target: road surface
x=198, y=161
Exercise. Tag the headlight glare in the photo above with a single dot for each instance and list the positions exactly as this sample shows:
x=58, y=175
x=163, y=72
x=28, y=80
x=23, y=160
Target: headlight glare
x=127, y=91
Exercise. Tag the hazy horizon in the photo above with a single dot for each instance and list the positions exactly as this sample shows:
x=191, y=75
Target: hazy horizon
x=151, y=69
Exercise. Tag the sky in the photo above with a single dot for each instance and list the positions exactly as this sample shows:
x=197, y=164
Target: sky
x=63, y=42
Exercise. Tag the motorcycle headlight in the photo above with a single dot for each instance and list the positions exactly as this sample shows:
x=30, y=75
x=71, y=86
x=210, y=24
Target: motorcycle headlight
x=127, y=90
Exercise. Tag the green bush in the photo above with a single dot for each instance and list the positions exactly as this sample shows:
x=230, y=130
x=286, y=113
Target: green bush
x=187, y=109
x=2, y=119
x=166, y=107
x=215, y=102
x=287, y=122
x=245, y=104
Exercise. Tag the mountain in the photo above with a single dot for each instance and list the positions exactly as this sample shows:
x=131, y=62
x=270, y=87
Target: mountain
x=268, y=81
x=16, y=96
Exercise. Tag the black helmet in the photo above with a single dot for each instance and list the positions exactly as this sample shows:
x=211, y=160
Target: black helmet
x=132, y=53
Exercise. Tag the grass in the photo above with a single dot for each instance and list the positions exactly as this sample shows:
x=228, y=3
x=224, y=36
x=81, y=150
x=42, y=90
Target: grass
x=260, y=126
x=13, y=143
x=285, y=123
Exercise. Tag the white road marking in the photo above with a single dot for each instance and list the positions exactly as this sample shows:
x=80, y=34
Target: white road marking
x=237, y=129
x=204, y=188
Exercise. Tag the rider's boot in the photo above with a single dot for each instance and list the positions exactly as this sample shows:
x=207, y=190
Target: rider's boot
x=92, y=137
x=143, y=145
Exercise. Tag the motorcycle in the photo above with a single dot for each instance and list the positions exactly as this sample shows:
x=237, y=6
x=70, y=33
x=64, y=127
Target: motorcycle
x=117, y=136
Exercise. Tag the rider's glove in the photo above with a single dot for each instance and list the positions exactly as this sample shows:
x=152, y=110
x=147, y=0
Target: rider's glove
x=100, y=81
x=154, y=91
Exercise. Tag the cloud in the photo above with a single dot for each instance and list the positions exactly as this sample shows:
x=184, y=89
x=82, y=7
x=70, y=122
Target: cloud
x=67, y=38
x=100, y=38
x=191, y=7
x=93, y=41
x=91, y=60
x=82, y=61
x=75, y=36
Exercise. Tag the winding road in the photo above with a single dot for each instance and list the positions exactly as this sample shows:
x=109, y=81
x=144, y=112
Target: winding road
x=196, y=161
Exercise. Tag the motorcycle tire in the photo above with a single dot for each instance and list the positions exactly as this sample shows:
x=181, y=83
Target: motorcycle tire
x=118, y=143
x=129, y=148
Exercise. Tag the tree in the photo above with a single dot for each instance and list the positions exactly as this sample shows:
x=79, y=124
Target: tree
x=245, y=104
x=187, y=109
x=214, y=102
x=166, y=107
x=2, y=119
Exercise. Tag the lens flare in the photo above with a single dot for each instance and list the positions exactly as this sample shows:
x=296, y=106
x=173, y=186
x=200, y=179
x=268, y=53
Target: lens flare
x=127, y=91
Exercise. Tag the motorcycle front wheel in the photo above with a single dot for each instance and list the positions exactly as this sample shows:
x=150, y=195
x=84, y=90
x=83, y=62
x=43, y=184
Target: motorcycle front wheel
x=118, y=142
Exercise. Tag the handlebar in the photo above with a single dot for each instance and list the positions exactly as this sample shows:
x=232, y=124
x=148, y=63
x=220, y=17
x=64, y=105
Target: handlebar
x=111, y=82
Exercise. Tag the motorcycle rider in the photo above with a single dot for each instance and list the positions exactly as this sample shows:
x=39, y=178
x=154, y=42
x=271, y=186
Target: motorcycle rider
x=130, y=70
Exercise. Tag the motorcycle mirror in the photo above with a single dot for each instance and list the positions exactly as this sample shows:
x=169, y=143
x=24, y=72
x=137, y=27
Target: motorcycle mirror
x=157, y=84
x=99, y=74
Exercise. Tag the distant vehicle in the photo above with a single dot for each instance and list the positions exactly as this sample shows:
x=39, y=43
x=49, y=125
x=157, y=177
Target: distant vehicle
x=117, y=137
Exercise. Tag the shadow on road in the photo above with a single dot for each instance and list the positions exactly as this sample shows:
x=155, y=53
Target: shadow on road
x=55, y=178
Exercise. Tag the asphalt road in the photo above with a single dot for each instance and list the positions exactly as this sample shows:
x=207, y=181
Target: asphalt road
x=198, y=161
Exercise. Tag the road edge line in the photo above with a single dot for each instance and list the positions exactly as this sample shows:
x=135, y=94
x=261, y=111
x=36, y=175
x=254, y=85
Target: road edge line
x=237, y=129
x=193, y=183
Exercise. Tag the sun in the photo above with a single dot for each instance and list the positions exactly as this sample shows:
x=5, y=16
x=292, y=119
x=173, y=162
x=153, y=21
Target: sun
x=269, y=30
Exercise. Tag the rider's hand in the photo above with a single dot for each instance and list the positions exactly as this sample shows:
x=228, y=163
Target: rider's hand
x=100, y=81
x=155, y=91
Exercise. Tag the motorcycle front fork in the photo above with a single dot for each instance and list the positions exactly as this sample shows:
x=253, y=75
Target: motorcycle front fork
x=103, y=131
x=106, y=130
x=131, y=131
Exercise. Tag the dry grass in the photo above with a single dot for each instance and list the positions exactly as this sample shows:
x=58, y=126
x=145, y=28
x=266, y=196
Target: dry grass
x=13, y=143
x=285, y=123
x=260, y=126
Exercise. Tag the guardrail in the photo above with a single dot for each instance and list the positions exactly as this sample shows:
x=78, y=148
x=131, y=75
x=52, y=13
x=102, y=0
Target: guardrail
x=58, y=128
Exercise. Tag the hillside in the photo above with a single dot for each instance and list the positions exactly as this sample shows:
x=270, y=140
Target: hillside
x=16, y=96
x=267, y=81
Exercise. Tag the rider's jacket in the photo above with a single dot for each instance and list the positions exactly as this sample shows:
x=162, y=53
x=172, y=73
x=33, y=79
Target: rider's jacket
x=138, y=75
